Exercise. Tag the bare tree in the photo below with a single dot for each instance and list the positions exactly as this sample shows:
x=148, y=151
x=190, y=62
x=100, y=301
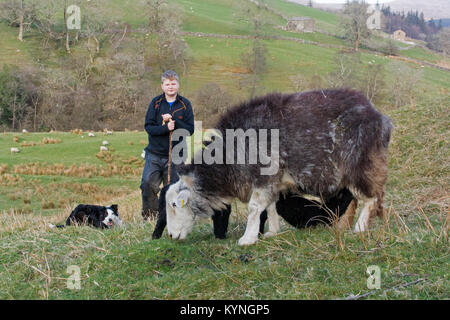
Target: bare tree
x=345, y=74
x=406, y=81
x=211, y=101
x=299, y=82
x=440, y=42
x=354, y=22
x=373, y=81
x=48, y=21
x=14, y=96
x=19, y=13
x=66, y=30
x=164, y=20
x=254, y=13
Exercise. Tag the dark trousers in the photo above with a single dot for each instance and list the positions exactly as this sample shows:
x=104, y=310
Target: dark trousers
x=155, y=171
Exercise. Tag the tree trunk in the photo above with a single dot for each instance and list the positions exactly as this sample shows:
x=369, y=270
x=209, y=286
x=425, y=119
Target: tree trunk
x=21, y=21
x=14, y=113
x=67, y=42
x=356, y=44
x=65, y=28
x=35, y=116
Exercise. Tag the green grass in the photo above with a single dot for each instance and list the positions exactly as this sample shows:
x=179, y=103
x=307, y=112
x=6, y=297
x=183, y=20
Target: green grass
x=306, y=264
x=421, y=54
x=46, y=177
x=324, y=21
x=12, y=51
x=77, y=148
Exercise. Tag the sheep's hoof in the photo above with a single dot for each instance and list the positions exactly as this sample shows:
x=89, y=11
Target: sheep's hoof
x=359, y=227
x=246, y=241
x=269, y=234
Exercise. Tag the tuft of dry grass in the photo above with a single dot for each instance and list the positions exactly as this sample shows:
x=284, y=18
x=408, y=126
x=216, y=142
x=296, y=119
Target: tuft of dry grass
x=77, y=131
x=3, y=168
x=7, y=179
x=84, y=171
x=46, y=140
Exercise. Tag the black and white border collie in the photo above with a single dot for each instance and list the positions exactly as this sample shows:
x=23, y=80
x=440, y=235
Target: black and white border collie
x=97, y=216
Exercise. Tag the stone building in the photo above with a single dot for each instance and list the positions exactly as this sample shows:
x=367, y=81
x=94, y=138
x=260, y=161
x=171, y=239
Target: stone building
x=399, y=35
x=300, y=24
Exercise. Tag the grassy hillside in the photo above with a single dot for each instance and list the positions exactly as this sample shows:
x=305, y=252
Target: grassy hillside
x=57, y=170
x=318, y=263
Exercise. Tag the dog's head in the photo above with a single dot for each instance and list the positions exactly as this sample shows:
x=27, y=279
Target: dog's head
x=112, y=217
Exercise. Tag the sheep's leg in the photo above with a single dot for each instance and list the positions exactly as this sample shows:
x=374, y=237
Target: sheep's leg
x=259, y=201
x=366, y=215
x=346, y=220
x=274, y=221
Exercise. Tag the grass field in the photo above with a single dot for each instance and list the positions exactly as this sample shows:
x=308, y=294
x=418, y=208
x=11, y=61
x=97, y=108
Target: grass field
x=318, y=263
x=54, y=171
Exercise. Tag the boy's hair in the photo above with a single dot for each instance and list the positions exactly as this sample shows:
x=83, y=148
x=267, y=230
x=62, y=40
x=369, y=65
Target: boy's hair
x=169, y=74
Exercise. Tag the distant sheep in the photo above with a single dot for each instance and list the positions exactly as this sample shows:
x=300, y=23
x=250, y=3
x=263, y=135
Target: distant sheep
x=103, y=148
x=105, y=143
x=15, y=150
x=90, y=134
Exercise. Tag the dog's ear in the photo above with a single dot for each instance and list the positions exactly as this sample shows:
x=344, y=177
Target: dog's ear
x=114, y=207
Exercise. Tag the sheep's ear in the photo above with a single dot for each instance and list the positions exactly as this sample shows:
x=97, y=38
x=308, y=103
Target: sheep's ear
x=183, y=198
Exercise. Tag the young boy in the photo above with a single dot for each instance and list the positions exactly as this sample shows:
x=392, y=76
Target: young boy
x=166, y=112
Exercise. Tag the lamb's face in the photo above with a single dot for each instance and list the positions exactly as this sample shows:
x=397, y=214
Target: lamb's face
x=180, y=218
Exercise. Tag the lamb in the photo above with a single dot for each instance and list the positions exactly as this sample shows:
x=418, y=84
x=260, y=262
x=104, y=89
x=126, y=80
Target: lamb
x=328, y=140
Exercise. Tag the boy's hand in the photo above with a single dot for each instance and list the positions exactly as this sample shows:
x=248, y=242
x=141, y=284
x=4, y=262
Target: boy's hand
x=171, y=125
x=166, y=117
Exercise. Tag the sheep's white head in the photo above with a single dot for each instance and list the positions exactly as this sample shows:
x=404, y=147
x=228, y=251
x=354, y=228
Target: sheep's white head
x=180, y=218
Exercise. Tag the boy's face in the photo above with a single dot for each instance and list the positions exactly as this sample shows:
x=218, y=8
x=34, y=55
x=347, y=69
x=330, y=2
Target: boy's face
x=170, y=87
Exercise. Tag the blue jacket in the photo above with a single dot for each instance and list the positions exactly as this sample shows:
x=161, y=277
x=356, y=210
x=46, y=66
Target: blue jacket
x=158, y=134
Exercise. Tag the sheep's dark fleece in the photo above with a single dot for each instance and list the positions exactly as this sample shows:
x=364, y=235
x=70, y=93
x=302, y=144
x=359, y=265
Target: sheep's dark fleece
x=325, y=141
x=300, y=212
x=337, y=140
